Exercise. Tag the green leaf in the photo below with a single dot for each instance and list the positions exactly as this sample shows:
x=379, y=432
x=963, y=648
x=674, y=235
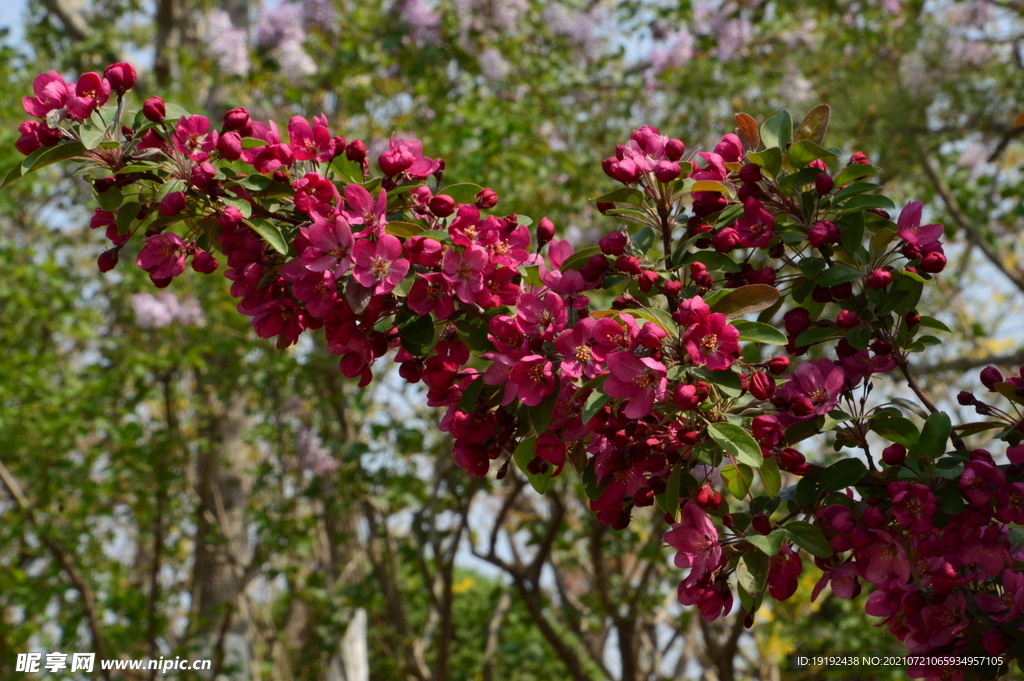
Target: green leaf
x=738, y=479
x=771, y=479
x=524, y=454
x=416, y=332
x=622, y=195
x=271, y=233
x=757, y=332
x=777, y=131
x=727, y=382
x=595, y=402
x=40, y=158
x=839, y=274
x=859, y=338
x=752, y=572
x=745, y=299
x=865, y=201
x=531, y=275
x=643, y=240
x=809, y=538
x=91, y=135
x=814, y=126
x=126, y=216
x=467, y=403
x=403, y=229
x=802, y=153
x=934, y=435
x=855, y=172
x=656, y=316
x=716, y=262
x=769, y=544
x=580, y=258
x=770, y=159
x=737, y=442
x=816, y=335
x=933, y=323
x=896, y=429
x=462, y=193
x=812, y=267
x=842, y=474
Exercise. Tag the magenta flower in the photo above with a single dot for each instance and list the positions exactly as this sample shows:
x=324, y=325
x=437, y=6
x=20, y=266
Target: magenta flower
x=757, y=228
x=51, y=92
x=316, y=289
x=281, y=318
x=640, y=381
x=270, y=156
x=882, y=558
x=379, y=265
x=695, y=540
x=498, y=288
x=542, y=316
x=611, y=335
x=980, y=481
x=1010, y=503
x=844, y=582
x=406, y=156
x=331, y=246
x=90, y=92
x=942, y=623
x=533, y=379
x=713, y=342
x=579, y=357
x=431, y=293
x=363, y=210
x=465, y=272
x=1007, y=606
x=193, y=138
x=163, y=256
x=313, y=191
x=507, y=335
x=819, y=382
x=913, y=504
x=308, y=143
x=862, y=364
x=912, y=231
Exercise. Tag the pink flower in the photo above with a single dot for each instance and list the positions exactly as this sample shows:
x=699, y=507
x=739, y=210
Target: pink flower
x=844, y=582
x=51, y=92
x=713, y=342
x=90, y=92
x=695, y=540
x=579, y=357
x=379, y=265
x=510, y=247
x=163, y=256
x=281, y=318
x=431, y=293
x=308, y=143
x=316, y=289
x=912, y=231
x=1007, y=606
x=757, y=228
x=881, y=559
x=314, y=191
x=641, y=381
x=542, y=316
x=362, y=210
x=533, y=379
x=407, y=156
x=272, y=155
x=980, y=481
x=193, y=138
x=1010, y=503
x=818, y=382
x=465, y=272
x=611, y=335
x=913, y=504
x=498, y=288
x=712, y=600
x=330, y=247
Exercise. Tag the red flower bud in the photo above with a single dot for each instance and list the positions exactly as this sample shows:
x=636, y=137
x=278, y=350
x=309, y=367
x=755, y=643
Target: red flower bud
x=613, y=243
x=803, y=407
x=651, y=336
x=881, y=347
x=685, y=396
x=595, y=268
x=674, y=149
x=172, y=204
x=750, y=173
x=121, y=77
x=894, y=455
x=761, y=524
x=859, y=158
x=154, y=109
x=778, y=364
x=545, y=232
x=847, y=319
x=442, y=205
x=726, y=240
x=796, y=321
x=628, y=264
x=879, y=279
x=824, y=232
x=933, y=263
x=790, y=459
x=672, y=288
x=666, y=171
x=966, y=398
x=912, y=319
x=230, y=146
x=824, y=183
x=108, y=259
x=647, y=280
x=230, y=217
x=236, y=119
x=990, y=376
x=761, y=385
x=204, y=263
x=603, y=207
x=749, y=191
x=486, y=199
x=821, y=294
x=842, y=291
x=356, y=151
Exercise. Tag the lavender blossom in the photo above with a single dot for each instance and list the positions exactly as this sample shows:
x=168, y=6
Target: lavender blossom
x=228, y=45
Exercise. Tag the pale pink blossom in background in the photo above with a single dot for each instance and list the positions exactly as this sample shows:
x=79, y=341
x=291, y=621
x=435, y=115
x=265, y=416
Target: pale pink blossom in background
x=493, y=65
x=423, y=20
x=228, y=45
x=164, y=309
x=313, y=455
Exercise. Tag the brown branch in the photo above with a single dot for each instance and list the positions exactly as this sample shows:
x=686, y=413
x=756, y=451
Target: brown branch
x=493, y=632
x=71, y=15
x=967, y=363
x=66, y=564
x=965, y=223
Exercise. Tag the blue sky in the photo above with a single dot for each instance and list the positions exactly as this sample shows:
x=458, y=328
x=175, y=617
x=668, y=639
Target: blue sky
x=11, y=13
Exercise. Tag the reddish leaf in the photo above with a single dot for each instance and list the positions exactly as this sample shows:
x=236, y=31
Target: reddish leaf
x=746, y=128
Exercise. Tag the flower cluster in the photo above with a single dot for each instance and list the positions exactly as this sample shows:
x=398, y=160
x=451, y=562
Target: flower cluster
x=637, y=362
